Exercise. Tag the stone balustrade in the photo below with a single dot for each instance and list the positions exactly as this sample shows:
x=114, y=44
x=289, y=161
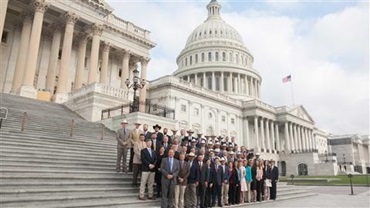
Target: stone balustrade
x=100, y=88
x=128, y=26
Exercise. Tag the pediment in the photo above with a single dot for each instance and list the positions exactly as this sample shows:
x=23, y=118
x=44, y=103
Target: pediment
x=300, y=112
x=100, y=4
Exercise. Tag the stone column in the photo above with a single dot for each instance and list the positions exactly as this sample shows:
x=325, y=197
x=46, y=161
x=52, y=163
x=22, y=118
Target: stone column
x=263, y=139
x=53, y=60
x=246, y=127
x=308, y=141
x=213, y=81
x=273, y=138
x=287, y=139
x=305, y=143
x=80, y=61
x=22, y=51
x=142, y=98
x=292, y=139
x=235, y=85
x=257, y=88
x=256, y=132
x=96, y=31
x=125, y=68
x=61, y=95
x=246, y=88
x=222, y=82
x=297, y=146
x=268, y=139
x=3, y=7
x=196, y=78
x=315, y=146
x=27, y=89
x=204, y=80
x=277, y=137
x=300, y=138
x=104, y=68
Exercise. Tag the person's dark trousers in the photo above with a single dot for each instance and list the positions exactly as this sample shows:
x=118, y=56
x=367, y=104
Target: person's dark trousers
x=203, y=199
x=273, y=191
x=200, y=200
x=259, y=190
x=208, y=197
x=237, y=194
x=136, y=169
x=131, y=159
x=159, y=190
x=232, y=191
x=216, y=195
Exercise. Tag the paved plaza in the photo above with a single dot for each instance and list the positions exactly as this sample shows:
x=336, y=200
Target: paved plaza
x=328, y=196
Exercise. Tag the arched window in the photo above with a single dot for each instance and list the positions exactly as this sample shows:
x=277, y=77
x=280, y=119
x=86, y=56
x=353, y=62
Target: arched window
x=223, y=56
x=210, y=83
x=217, y=83
x=283, y=168
x=231, y=57
x=302, y=169
x=246, y=61
x=203, y=57
x=196, y=58
x=209, y=130
x=209, y=56
x=216, y=56
x=186, y=61
x=237, y=58
x=191, y=60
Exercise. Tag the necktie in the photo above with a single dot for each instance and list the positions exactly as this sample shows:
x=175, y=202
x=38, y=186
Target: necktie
x=150, y=152
x=124, y=132
x=171, y=164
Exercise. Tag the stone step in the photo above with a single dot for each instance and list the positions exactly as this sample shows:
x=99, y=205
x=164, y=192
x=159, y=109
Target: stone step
x=63, y=183
x=55, y=155
x=47, y=162
x=22, y=173
x=61, y=167
x=56, y=189
x=61, y=146
x=80, y=153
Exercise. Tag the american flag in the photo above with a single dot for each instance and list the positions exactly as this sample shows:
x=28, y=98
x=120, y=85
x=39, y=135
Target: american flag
x=287, y=78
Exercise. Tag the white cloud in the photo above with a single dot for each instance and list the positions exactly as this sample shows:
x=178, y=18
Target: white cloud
x=328, y=56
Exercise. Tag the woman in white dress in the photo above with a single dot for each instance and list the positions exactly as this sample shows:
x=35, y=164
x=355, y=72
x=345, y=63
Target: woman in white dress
x=243, y=183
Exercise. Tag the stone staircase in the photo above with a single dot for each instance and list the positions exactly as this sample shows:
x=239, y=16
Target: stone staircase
x=44, y=166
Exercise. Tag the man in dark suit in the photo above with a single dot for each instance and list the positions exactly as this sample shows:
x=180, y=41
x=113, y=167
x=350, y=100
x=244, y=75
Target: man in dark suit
x=274, y=180
x=146, y=131
x=166, y=144
x=170, y=169
x=207, y=174
x=156, y=131
x=148, y=160
x=155, y=143
x=225, y=185
x=218, y=180
x=191, y=188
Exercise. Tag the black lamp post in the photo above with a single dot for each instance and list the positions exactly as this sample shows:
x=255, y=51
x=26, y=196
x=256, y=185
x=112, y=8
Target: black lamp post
x=344, y=159
x=135, y=85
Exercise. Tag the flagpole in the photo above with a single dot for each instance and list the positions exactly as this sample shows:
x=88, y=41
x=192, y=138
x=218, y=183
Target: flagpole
x=291, y=86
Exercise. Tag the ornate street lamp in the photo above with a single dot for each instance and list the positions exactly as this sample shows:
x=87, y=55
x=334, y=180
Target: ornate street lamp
x=135, y=85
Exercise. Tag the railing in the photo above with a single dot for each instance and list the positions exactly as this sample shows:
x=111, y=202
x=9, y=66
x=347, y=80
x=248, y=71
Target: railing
x=128, y=26
x=100, y=88
x=152, y=109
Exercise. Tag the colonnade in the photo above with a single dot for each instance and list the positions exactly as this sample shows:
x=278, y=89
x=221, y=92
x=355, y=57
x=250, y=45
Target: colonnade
x=298, y=138
x=26, y=63
x=227, y=82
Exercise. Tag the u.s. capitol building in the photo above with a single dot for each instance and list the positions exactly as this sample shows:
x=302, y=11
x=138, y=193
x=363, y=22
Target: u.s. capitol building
x=79, y=53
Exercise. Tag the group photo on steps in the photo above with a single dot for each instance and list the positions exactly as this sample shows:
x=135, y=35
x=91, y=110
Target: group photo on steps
x=191, y=171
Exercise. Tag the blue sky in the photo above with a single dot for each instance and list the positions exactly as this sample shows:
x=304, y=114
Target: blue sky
x=323, y=44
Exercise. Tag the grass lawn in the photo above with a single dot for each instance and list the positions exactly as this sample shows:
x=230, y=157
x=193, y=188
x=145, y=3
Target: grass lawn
x=329, y=180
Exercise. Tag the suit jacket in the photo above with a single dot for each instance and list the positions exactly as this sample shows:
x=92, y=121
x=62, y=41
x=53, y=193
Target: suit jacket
x=147, y=159
x=165, y=170
x=274, y=174
x=157, y=145
x=226, y=174
x=234, y=178
x=122, y=137
x=147, y=134
x=159, y=136
x=183, y=173
x=207, y=174
x=138, y=146
x=134, y=135
x=218, y=178
x=193, y=172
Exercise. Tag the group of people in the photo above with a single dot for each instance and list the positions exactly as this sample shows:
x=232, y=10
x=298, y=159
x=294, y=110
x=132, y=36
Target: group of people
x=190, y=171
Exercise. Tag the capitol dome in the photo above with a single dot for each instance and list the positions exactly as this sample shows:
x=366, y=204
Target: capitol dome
x=216, y=58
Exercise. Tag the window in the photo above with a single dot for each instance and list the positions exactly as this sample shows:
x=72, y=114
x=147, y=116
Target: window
x=216, y=56
x=85, y=64
x=210, y=115
x=119, y=72
x=201, y=83
x=196, y=58
x=209, y=56
x=237, y=58
x=191, y=60
x=210, y=32
x=223, y=118
x=203, y=57
x=233, y=121
x=210, y=83
x=233, y=85
x=186, y=61
x=183, y=108
x=218, y=83
x=246, y=61
x=225, y=84
x=200, y=34
x=223, y=56
x=196, y=112
x=4, y=37
x=60, y=56
x=231, y=57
